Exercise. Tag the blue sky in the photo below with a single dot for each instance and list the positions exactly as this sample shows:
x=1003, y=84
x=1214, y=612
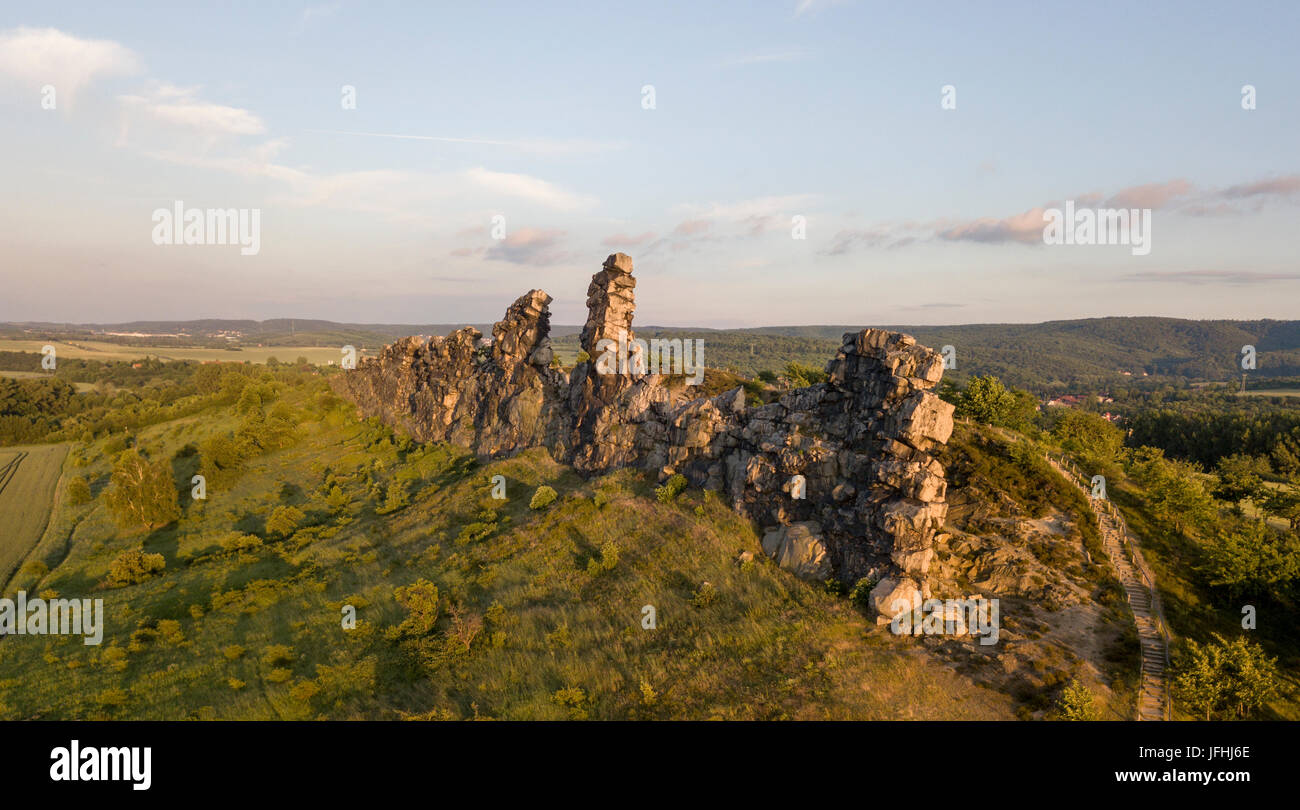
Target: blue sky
x=763, y=112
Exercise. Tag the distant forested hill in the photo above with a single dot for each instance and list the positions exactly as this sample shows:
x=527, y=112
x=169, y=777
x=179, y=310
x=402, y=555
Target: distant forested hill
x=1051, y=357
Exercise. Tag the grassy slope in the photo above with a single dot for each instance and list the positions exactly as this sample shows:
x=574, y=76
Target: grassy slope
x=766, y=645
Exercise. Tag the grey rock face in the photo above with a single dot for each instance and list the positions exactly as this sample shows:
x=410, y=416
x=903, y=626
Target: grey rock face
x=873, y=493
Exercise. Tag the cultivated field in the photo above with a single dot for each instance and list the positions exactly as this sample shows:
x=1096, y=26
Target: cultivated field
x=94, y=350
x=1274, y=392
x=29, y=476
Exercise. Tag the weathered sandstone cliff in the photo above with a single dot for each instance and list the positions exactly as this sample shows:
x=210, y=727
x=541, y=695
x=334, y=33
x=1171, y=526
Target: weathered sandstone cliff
x=871, y=495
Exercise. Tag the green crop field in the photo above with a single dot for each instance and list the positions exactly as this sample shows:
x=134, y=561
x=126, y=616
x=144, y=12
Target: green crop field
x=28, y=479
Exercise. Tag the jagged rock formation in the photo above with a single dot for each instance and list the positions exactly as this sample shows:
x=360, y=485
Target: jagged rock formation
x=871, y=497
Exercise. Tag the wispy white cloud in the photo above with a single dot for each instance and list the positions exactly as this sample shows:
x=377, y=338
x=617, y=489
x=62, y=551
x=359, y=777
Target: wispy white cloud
x=181, y=107
x=42, y=56
x=525, y=187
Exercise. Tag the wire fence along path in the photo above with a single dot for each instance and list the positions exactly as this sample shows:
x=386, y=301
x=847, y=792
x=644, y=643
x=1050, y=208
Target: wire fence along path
x=1143, y=597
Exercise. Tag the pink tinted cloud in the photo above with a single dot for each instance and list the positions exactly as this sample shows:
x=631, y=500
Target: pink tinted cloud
x=1151, y=195
x=1280, y=186
x=1026, y=228
x=530, y=246
x=692, y=227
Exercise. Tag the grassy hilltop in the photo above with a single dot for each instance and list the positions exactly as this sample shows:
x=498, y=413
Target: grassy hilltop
x=539, y=611
x=466, y=606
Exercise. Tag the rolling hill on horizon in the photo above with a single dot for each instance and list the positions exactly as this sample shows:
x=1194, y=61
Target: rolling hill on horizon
x=1049, y=356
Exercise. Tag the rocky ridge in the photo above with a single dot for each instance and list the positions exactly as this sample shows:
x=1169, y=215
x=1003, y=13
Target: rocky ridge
x=871, y=496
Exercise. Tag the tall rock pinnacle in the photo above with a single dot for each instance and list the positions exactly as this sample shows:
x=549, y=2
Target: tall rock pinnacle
x=840, y=475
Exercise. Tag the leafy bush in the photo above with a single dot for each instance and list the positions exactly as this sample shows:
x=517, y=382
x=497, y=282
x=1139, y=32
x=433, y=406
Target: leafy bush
x=336, y=499
x=705, y=596
x=543, y=497
x=395, y=498
x=1076, y=702
x=276, y=654
x=860, y=594
x=133, y=567
x=78, y=491
x=671, y=488
x=238, y=541
x=284, y=520
x=802, y=376
x=574, y=700
x=421, y=602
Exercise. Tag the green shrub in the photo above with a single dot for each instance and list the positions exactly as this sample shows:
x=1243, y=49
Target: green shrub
x=705, y=596
x=574, y=700
x=474, y=531
x=78, y=491
x=238, y=541
x=394, y=498
x=671, y=488
x=284, y=520
x=1076, y=702
x=421, y=602
x=860, y=595
x=609, y=555
x=276, y=654
x=114, y=658
x=133, y=567
x=543, y=497
x=336, y=499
